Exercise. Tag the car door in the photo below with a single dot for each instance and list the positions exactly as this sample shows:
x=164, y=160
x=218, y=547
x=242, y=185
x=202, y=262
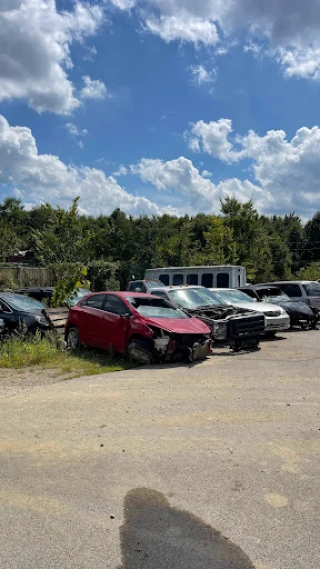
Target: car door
x=89, y=320
x=293, y=290
x=115, y=322
x=9, y=317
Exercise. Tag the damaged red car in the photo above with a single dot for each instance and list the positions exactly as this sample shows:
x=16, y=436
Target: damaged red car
x=146, y=328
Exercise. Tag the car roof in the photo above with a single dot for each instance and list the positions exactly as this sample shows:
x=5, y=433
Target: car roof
x=123, y=294
x=291, y=282
x=36, y=289
x=12, y=295
x=182, y=287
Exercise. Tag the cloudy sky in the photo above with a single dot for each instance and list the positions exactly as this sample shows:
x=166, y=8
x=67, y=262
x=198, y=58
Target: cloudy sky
x=160, y=106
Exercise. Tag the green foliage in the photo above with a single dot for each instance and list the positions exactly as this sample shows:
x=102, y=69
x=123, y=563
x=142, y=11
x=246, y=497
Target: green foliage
x=117, y=248
x=310, y=273
x=73, y=278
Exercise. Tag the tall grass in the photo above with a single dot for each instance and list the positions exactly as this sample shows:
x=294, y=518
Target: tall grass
x=49, y=353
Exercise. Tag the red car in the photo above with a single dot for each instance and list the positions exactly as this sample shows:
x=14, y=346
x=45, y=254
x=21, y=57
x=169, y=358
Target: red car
x=146, y=328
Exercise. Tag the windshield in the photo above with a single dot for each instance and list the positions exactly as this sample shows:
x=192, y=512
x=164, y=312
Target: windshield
x=274, y=296
x=154, y=284
x=192, y=298
x=24, y=303
x=156, y=308
x=234, y=296
x=312, y=289
x=77, y=295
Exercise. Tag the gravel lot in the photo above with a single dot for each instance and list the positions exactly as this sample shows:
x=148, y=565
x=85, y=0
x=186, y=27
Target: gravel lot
x=208, y=466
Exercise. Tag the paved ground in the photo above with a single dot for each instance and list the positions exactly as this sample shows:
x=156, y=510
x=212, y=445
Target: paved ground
x=213, y=466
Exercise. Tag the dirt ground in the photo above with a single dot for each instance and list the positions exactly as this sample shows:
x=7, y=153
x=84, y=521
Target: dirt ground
x=14, y=381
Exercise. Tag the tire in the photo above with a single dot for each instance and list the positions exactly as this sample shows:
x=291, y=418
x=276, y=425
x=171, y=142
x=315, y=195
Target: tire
x=270, y=334
x=73, y=339
x=140, y=351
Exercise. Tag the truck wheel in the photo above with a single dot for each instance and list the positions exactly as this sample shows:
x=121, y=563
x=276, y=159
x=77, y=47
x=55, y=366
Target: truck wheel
x=270, y=334
x=140, y=351
x=73, y=339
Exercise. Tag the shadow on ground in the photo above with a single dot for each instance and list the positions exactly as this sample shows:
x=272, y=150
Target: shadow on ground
x=158, y=536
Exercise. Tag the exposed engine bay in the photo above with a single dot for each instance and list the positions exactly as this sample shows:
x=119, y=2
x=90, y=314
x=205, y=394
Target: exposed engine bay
x=241, y=327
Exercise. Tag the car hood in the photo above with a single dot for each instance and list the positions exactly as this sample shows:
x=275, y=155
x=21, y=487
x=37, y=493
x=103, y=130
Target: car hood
x=256, y=306
x=296, y=306
x=179, y=326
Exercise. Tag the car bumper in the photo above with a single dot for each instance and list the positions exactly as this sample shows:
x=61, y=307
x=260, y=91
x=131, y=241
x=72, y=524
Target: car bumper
x=277, y=323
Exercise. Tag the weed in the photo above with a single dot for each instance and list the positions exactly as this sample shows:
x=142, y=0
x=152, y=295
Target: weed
x=49, y=353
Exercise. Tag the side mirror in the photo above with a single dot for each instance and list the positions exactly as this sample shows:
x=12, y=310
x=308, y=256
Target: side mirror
x=126, y=315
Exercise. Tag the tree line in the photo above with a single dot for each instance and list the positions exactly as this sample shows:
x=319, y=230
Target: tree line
x=118, y=247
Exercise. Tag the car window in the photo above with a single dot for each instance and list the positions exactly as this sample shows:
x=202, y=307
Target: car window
x=177, y=280
x=94, y=301
x=194, y=298
x=137, y=286
x=291, y=289
x=234, y=296
x=24, y=303
x=312, y=289
x=164, y=279
x=223, y=280
x=207, y=280
x=159, y=293
x=115, y=305
x=251, y=293
x=156, y=308
x=193, y=279
x=4, y=307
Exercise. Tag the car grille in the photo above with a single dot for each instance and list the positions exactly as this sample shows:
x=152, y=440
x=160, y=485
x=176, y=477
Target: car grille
x=246, y=326
x=273, y=313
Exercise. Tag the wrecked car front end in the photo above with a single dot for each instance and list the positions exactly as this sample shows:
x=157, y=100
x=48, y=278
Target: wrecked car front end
x=175, y=346
x=171, y=334
x=240, y=327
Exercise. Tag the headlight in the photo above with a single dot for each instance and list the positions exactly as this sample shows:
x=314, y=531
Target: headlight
x=220, y=330
x=42, y=320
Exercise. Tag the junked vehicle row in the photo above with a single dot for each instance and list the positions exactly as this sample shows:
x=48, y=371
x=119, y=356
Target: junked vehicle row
x=166, y=323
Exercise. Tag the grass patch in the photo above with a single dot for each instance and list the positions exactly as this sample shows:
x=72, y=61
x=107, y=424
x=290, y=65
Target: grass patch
x=48, y=353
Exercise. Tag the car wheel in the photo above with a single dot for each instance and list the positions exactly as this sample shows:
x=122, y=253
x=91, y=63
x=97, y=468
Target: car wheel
x=270, y=334
x=140, y=351
x=73, y=338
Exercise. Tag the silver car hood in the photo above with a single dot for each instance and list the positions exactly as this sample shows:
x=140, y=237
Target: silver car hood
x=257, y=306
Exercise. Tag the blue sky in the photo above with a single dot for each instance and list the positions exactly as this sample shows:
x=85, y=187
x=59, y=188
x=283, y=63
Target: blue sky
x=160, y=105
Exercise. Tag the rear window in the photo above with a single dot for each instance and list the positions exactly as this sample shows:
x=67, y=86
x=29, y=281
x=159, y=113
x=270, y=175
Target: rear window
x=312, y=289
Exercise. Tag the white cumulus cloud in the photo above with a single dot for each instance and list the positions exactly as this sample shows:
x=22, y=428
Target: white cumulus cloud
x=286, y=29
x=35, y=41
x=202, y=194
x=45, y=178
x=93, y=89
x=201, y=75
x=289, y=170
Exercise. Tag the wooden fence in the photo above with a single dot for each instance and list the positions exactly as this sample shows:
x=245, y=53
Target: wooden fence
x=18, y=277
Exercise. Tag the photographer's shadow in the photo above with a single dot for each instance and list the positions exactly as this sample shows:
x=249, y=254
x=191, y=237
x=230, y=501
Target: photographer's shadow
x=158, y=536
